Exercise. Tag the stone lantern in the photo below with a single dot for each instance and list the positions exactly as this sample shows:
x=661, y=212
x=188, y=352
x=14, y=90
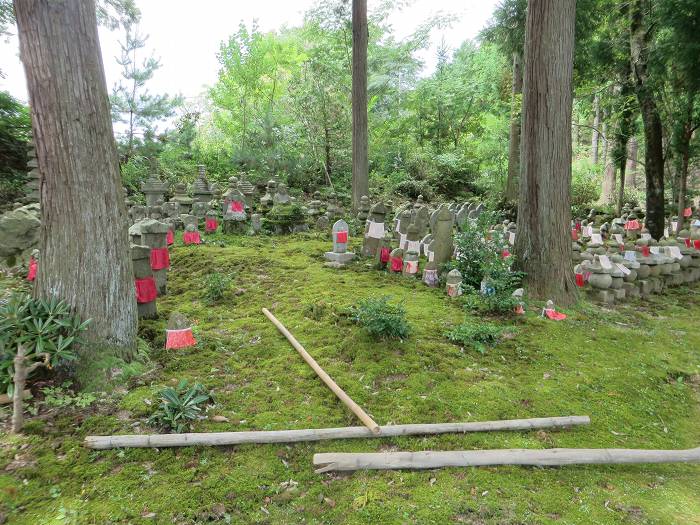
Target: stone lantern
x=200, y=189
x=154, y=189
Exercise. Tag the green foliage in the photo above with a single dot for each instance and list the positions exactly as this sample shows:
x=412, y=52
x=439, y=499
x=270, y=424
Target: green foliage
x=63, y=397
x=381, y=319
x=180, y=406
x=476, y=335
x=15, y=129
x=501, y=302
x=131, y=102
x=586, y=182
x=42, y=327
x=283, y=217
x=480, y=255
x=216, y=284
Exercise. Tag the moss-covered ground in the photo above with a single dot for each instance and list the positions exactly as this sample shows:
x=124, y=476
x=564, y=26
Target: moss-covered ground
x=633, y=369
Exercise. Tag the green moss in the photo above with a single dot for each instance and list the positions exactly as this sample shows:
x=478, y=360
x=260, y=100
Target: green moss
x=633, y=370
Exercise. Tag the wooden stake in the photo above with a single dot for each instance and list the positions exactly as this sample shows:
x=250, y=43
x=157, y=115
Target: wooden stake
x=354, y=407
x=20, y=379
x=319, y=434
x=477, y=458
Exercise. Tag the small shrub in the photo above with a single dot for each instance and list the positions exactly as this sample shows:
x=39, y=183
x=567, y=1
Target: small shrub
x=215, y=286
x=475, y=335
x=63, y=396
x=380, y=319
x=480, y=256
x=498, y=303
x=283, y=217
x=42, y=327
x=180, y=406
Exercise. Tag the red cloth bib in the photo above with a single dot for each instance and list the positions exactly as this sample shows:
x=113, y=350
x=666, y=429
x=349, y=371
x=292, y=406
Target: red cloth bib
x=646, y=251
x=505, y=254
x=191, y=238
x=632, y=225
x=31, y=275
x=696, y=244
x=179, y=338
x=554, y=315
x=384, y=255
x=145, y=290
x=687, y=243
x=574, y=234
x=688, y=212
x=341, y=237
x=236, y=206
x=396, y=264
x=170, y=237
x=160, y=258
x=580, y=281
x=211, y=225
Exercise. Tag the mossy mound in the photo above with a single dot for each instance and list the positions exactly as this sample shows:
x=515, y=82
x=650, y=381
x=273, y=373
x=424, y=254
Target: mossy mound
x=634, y=370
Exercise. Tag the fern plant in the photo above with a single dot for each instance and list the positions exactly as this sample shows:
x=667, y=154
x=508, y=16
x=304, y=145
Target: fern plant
x=46, y=328
x=180, y=406
x=381, y=319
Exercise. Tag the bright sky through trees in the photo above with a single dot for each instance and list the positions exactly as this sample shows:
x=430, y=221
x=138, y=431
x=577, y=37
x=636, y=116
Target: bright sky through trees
x=186, y=36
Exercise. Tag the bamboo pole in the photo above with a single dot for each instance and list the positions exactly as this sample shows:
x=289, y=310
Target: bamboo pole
x=476, y=458
x=319, y=434
x=339, y=392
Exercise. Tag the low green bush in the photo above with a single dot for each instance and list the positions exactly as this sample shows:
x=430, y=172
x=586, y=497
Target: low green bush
x=476, y=335
x=215, y=286
x=43, y=327
x=381, y=319
x=180, y=406
x=283, y=217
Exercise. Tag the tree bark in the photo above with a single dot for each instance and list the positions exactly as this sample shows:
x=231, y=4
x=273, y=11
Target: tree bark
x=682, y=135
x=514, y=138
x=631, y=169
x=604, y=137
x=360, y=163
x=543, y=243
x=607, y=195
x=640, y=40
x=84, y=244
x=596, y=126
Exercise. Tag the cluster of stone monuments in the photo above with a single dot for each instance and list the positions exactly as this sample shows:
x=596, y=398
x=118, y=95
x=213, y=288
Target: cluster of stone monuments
x=614, y=259
x=240, y=208
x=415, y=237
x=619, y=260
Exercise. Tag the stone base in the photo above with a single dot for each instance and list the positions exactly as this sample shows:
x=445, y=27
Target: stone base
x=631, y=290
x=231, y=226
x=619, y=294
x=147, y=310
x=644, y=288
x=338, y=259
x=602, y=296
x=161, y=278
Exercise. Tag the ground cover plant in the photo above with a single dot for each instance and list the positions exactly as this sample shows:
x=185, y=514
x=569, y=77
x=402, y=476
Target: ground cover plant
x=634, y=370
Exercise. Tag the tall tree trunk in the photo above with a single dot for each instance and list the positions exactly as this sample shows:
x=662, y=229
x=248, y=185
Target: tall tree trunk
x=607, y=195
x=685, y=134
x=595, y=138
x=543, y=243
x=514, y=138
x=360, y=164
x=631, y=169
x=640, y=38
x=604, y=137
x=85, y=258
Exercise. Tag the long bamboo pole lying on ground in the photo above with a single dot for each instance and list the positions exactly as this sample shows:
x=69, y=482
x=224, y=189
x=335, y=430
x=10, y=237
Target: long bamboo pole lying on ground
x=354, y=407
x=477, y=458
x=319, y=434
